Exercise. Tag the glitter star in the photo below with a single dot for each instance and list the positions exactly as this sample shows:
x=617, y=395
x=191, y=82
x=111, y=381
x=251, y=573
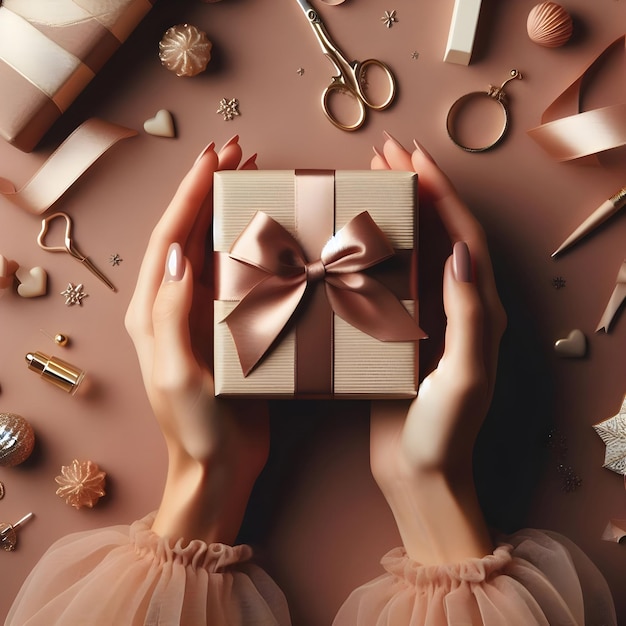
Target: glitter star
x=228, y=108
x=300, y=71
x=74, y=294
x=558, y=282
x=115, y=259
x=389, y=18
x=415, y=55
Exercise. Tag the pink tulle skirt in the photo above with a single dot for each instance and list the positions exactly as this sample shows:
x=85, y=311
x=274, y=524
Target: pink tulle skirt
x=534, y=578
x=129, y=576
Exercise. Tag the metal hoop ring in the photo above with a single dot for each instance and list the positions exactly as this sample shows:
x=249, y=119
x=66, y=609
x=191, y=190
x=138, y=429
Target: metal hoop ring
x=494, y=93
x=456, y=109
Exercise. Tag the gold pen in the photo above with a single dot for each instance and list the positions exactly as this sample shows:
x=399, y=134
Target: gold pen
x=602, y=213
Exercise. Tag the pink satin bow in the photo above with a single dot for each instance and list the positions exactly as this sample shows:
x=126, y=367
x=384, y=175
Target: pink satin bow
x=360, y=300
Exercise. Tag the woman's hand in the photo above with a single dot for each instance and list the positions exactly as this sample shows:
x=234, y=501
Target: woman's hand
x=421, y=452
x=216, y=448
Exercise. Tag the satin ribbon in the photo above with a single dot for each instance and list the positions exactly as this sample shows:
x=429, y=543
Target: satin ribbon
x=617, y=297
x=365, y=303
x=581, y=134
x=65, y=165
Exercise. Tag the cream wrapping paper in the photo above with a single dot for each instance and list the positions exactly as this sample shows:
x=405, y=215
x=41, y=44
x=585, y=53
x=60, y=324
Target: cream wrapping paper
x=362, y=367
x=49, y=51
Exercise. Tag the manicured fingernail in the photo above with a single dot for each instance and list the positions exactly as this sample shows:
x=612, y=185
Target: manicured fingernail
x=420, y=148
x=204, y=151
x=249, y=162
x=230, y=142
x=393, y=139
x=377, y=152
x=461, y=262
x=175, y=263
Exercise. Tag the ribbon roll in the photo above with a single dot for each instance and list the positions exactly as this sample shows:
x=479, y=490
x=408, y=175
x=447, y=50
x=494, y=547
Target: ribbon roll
x=617, y=297
x=360, y=300
x=581, y=134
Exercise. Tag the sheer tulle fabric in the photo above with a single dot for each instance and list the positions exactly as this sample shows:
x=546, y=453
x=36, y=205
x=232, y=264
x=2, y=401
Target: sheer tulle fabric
x=532, y=579
x=129, y=576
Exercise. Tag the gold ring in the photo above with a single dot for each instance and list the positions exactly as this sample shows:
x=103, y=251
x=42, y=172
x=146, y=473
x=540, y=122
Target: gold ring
x=495, y=94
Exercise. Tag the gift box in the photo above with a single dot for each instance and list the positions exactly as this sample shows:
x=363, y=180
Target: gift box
x=49, y=51
x=315, y=284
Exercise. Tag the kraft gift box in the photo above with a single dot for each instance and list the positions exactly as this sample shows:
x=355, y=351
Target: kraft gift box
x=315, y=288
x=49, y=51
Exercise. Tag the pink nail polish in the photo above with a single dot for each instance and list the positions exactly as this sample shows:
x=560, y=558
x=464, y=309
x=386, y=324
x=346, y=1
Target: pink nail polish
x=392, y=139
x=174, y=264
x=461, y=262
x=230, y=142
x=249, y=162
x=204, y=151
x=420, y=148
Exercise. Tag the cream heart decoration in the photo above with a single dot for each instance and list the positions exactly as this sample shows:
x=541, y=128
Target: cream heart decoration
x=161, y=125
x=573, y=346
x=33, y=282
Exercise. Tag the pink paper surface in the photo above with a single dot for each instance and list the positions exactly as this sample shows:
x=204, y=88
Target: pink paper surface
x=322, y=523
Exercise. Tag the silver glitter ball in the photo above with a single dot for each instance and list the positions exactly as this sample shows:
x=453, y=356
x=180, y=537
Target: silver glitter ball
x=17, y=439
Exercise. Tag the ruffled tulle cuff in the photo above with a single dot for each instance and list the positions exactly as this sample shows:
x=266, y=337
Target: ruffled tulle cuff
x=129, y=575
x=531, y=579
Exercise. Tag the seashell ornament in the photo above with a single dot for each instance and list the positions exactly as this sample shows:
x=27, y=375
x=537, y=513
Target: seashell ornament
x=549, y=25
x=185, y=50
x=17, y=439
x=81, y=484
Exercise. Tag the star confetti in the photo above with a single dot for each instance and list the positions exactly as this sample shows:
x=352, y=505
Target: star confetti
x=115, y=260
x=228, y=108
x=300, y=71
x=613, y=432
x=389, y=18
x=74, y=294
x=415, y=55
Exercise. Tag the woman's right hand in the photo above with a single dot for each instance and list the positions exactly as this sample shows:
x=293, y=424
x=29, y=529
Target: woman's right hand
x=216, y=448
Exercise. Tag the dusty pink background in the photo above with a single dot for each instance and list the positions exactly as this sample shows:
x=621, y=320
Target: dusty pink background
x=317, y=518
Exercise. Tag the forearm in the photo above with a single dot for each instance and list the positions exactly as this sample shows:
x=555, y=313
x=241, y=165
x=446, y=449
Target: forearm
x=439, y=520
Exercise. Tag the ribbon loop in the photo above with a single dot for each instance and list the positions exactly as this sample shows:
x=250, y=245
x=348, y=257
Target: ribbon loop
x=261, y=315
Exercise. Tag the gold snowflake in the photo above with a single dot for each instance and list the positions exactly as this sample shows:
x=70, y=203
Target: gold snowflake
x=74, y=294
x=81, y=484
x=389, y=18
x=228, y=108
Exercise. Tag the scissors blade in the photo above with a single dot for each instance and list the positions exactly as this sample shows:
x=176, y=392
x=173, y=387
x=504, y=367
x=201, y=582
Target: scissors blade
x=306, y=7
x=88, y=263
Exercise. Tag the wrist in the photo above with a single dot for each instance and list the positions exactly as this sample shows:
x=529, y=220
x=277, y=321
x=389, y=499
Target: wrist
x=439, y=517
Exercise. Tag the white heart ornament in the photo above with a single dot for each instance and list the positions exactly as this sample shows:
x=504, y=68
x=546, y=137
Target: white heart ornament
x=573, y=346
x=33, y=282
x=161, y=125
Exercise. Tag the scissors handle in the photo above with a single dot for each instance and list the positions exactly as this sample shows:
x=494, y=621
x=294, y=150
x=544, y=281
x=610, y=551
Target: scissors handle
x=361, y=84
x=353, y=82
x=338, y=86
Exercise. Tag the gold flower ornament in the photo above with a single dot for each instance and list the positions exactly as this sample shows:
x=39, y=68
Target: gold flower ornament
x=81, y=484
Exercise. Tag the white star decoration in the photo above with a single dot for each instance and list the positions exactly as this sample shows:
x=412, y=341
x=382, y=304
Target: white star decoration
x=389, y=18
x=613, y=433
x=228, y=108
x=74, y=294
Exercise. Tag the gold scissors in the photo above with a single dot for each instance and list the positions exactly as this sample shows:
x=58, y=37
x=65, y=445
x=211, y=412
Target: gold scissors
x=68, y=246
x=351, y=76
